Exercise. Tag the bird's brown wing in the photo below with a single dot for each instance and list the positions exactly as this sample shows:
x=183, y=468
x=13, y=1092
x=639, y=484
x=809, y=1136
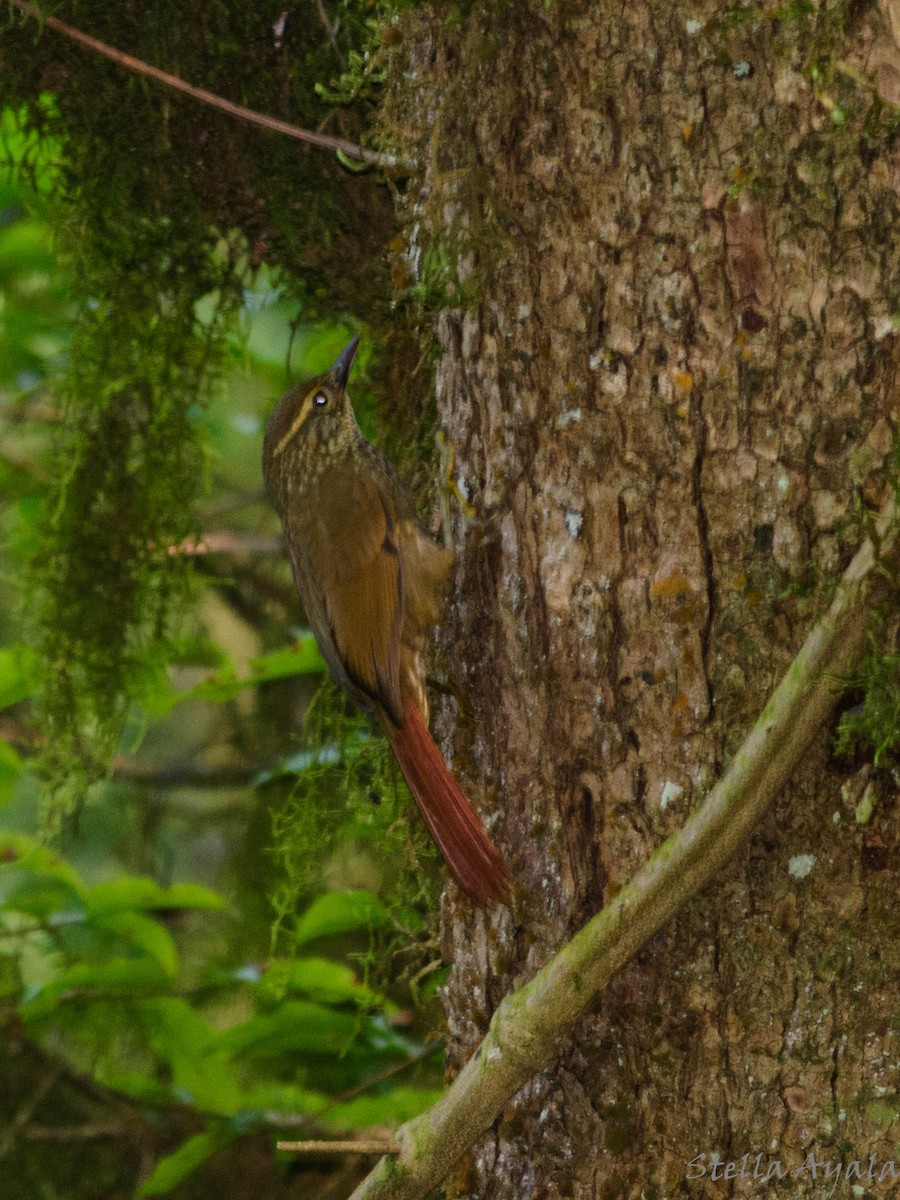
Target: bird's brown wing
x=362, y=583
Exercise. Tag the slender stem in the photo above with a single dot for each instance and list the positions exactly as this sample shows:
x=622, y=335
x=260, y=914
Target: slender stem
x=350, y=149
x=181, y=775
x=330, y=29
x=222, y=541
x=373, y=1147
x=19, y=1121
x=72, y=1133
x=527, y=1027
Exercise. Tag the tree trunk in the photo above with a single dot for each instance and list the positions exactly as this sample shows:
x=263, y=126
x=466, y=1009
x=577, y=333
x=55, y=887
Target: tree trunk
x=664, y=245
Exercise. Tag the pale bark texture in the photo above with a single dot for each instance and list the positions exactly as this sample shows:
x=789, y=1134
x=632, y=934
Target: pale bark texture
x=669, y=370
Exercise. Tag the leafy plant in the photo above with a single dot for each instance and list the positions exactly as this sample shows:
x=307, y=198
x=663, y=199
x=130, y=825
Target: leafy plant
x=145, y=1009
x=98, y=981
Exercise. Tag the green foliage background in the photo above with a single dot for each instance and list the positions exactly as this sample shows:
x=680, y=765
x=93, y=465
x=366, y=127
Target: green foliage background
x=179, y=984
x=162, y=209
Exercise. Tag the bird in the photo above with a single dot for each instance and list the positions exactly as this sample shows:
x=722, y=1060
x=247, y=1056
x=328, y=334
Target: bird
x=373, y=583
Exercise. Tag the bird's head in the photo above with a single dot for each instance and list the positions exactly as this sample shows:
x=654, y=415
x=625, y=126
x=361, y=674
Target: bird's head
x=313, y=419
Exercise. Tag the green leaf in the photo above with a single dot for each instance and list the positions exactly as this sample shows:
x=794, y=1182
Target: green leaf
x=45, y=898
x=190, y=895
x=19, y=674
x=118, y=977
x=172, y=1169
x=340, y=912
x=195, y=1053
x=143, y=933
x=303, y=658
x=28, y=854
x=225, y=684
x=284, y=1098
x=10, y=978
x=391, y=1107
x=304, y=760
x=296, y=1027
x=320, y=979
x=139, y=1087
x=138, y=892
x=10, y=770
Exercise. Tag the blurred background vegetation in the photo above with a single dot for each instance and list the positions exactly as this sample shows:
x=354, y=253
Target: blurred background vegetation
x=215, y=919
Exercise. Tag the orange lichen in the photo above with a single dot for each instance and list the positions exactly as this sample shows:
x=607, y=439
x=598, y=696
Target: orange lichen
x=683, y=380
x=672, y=587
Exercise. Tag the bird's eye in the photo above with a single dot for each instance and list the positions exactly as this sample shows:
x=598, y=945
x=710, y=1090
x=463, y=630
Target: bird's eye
x=320, y=399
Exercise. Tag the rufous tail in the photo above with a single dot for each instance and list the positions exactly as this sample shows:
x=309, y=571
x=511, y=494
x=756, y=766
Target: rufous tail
x=472, y=857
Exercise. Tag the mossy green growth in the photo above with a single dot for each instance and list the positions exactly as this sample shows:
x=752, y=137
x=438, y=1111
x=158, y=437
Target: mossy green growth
x=882, y=1114
x=129, y=464
x=348, y=821
x=874, y=724
x=158, y=203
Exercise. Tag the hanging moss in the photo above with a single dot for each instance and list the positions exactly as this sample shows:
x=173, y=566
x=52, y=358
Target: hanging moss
x=129, y=468
x=159, y=202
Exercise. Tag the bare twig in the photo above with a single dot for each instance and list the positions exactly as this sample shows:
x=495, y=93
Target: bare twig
x=224, y=542
x=331, y=30
x=377, y=1146
x=527, y=1028
x=342, y=145
x=389, y=1072
x=864, y=81
x=188, y=775
x=25, y=1113
x=23, y=407
x=74, y=1133
x=234, y=503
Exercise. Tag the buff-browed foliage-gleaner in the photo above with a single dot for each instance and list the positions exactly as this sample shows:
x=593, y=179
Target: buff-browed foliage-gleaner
x=372, y=583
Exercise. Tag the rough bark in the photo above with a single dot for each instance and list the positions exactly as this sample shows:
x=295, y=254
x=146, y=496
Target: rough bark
x=670, y=376
x=529, y=1024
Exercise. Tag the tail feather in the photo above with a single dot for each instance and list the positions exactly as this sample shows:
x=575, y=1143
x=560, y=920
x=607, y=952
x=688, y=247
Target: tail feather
x=472, y=857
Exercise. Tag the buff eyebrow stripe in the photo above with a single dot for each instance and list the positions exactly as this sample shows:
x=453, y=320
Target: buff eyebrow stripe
x=295, y=426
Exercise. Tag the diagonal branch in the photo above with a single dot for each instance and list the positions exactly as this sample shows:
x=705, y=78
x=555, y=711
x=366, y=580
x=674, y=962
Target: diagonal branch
x=342, y=145
x=527, y=1027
